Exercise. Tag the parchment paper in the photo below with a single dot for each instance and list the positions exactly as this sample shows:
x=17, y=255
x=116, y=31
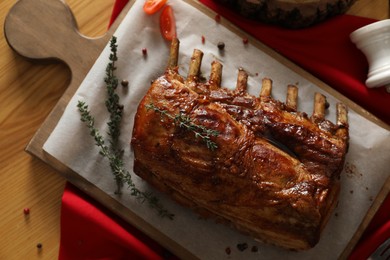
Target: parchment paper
x=367, y=162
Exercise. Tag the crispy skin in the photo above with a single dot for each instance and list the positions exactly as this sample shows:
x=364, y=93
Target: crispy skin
x=275, y=173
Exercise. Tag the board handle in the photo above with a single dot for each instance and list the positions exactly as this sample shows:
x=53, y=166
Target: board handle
x=47, y=29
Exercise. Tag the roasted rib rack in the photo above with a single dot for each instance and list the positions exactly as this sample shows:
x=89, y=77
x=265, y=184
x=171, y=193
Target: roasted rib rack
x=254, y=163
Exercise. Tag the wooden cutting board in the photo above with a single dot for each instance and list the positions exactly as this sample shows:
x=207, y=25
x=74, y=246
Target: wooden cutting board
x=46, y=29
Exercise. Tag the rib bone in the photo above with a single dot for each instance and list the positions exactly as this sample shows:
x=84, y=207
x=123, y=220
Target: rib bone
x=342, y=114
x=342, y=120
x=319, y=107
x=242, y=81
x=266, y=88
x=215, y=75
x=174, y=53
x=195, y=63
x=292, y=97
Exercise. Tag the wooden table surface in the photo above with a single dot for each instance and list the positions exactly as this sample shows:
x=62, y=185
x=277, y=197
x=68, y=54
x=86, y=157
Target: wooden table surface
x=28, y=92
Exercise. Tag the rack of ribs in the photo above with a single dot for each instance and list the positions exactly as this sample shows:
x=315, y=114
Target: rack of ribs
x=267, y=170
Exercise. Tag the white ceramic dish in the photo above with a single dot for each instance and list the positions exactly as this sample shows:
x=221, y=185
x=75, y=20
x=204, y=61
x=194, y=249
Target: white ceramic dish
x=374, y=41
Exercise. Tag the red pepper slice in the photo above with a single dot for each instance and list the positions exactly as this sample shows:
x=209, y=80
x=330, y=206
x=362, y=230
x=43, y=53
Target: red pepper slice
x=152, y=6
x=168, y=23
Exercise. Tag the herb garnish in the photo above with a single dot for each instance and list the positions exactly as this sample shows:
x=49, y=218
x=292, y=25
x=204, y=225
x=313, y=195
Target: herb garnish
x=114, y=107
x=184, y=121
x=113, y=152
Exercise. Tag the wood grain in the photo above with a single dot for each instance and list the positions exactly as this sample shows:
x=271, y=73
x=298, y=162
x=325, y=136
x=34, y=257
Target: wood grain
x=28, y=92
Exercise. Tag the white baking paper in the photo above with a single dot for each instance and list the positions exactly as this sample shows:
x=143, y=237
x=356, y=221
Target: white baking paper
x=367, y=163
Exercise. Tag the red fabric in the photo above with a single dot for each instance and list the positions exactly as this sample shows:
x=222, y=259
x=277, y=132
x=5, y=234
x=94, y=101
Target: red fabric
x=89, y=231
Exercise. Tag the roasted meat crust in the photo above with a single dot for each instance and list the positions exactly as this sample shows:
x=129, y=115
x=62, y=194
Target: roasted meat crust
x=274, y=174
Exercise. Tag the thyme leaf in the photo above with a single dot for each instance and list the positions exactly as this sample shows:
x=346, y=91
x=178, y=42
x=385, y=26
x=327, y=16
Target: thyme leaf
x=184, y=121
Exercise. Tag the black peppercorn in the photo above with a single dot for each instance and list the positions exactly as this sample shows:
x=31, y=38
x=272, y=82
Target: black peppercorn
x=242, y=246
x=221, y=46
x=124, y=83
x=326, y=104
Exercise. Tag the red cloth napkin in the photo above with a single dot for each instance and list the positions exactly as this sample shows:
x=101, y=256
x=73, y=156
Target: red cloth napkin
x=89, y=231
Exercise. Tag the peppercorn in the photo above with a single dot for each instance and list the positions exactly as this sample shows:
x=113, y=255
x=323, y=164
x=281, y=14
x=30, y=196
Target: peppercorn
x=124, y=83
x=242, y=246
x=144, y=51
x=221, y=46
x=228, y=250
x=245, y=40
x=26, y=211
x=39, y=245
x=326, y=104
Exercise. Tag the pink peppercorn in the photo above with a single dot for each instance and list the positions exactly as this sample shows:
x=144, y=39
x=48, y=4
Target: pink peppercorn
x=26, y=211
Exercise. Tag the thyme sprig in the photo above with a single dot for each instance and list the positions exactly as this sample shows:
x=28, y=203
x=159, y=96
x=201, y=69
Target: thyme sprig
x=114, y=153
x=117, y=165
x=184, y=121
x=112, y=103
x=113, y=106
